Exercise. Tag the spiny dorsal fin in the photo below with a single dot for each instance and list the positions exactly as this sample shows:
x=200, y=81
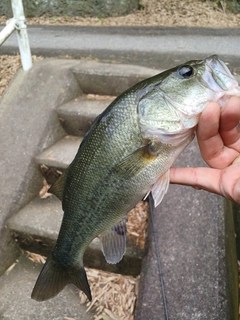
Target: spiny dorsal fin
x=114, y=242
x=57, y=187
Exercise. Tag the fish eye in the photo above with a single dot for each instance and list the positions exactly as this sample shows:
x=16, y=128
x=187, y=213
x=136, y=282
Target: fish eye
x=185, y=72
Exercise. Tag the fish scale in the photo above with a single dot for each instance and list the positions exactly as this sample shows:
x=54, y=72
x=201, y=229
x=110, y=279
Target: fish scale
x=90, y=194
x=126, y=154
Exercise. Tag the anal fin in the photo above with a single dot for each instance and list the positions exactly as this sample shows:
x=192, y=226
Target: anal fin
x=57, y=187
x=114, y=242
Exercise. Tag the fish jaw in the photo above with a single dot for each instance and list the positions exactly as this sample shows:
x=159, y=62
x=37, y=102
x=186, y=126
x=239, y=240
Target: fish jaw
x=218, y=78
x=222, y=78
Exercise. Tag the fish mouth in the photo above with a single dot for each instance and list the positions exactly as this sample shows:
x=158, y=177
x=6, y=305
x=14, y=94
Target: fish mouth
x=217, y=76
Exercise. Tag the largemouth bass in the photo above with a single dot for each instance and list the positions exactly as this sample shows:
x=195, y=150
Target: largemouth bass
x=125, y=155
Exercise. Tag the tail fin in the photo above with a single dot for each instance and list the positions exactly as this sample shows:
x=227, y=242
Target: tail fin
x=53, y=278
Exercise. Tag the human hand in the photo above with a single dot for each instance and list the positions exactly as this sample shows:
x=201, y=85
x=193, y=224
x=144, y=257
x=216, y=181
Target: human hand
x=218, y=134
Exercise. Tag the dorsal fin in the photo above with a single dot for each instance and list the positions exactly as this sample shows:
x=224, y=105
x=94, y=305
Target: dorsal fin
x=57, y=187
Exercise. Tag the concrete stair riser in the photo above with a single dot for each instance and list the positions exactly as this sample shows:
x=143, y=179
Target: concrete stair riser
x=61, y=154
x=77, y=116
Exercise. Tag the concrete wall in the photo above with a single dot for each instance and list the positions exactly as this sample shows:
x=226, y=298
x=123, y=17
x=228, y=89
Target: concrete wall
x=100, y=8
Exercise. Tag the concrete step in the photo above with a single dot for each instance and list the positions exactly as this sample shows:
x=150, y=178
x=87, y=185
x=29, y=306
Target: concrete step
x=16, y=303
x=77, y=115
x=36, y=228
x=109, y=79
x=101, y=79
x=61, y=154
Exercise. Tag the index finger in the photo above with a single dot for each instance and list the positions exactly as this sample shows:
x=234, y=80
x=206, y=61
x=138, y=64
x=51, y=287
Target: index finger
x=229, y=123
x=210, y=141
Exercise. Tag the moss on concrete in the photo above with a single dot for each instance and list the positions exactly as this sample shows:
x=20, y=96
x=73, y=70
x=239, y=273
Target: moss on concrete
x=92, y=8
x=232, y=211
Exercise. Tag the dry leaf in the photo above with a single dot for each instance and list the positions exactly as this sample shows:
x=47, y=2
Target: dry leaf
x=10, y=268
x=114, y=295
x=184, y=13
x=8, y=68
x=37, y=258
x=137, y=224
x=43, y=193
x=91, y=96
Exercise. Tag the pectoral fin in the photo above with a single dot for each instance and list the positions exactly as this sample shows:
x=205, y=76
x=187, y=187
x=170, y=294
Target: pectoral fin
x=114, y=242
x=138, y=160
x=160, y=188
x=57, y=187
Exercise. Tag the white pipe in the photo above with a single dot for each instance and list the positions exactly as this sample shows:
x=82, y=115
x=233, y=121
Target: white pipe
x=22, y=35
x=8, y=30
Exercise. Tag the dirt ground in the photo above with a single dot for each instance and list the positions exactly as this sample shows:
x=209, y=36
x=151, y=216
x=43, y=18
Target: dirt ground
x=184, y=13
x=8, y=68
